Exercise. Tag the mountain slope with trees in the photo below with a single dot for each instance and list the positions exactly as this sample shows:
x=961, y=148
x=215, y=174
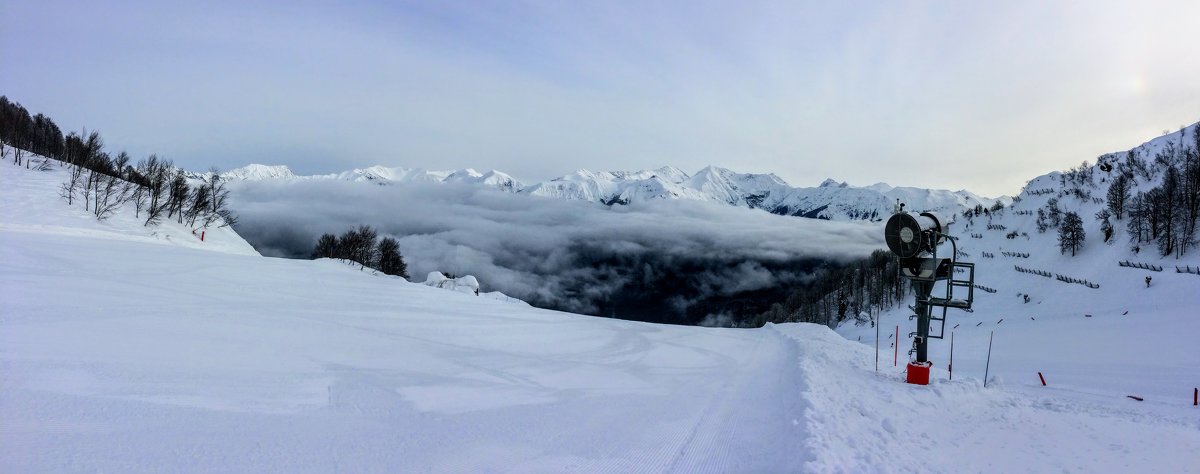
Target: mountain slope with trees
x=1074, y=226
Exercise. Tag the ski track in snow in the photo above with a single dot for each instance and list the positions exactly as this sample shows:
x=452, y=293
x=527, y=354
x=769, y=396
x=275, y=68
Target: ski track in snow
x=123, y=350
x=959, y=426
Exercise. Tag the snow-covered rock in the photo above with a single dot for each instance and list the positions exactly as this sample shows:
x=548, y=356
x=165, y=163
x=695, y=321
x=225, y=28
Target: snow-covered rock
x=464, y=284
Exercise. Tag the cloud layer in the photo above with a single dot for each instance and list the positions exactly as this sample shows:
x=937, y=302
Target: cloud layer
x=686, y=260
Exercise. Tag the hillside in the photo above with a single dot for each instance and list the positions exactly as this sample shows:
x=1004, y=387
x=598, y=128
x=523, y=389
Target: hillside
x=32, y=205
x=123, y=351
x=1118, y=338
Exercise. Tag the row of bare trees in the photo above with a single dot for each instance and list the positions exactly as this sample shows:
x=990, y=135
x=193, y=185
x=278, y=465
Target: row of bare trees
x=868, y=285
x=1165, y=216
x=28, y=135
x=156, y=188
x=363, y=246
x=105, y=183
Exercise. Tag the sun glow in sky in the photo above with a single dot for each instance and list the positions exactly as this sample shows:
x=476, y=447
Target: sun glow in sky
x=1137, y=85
x=975, y=95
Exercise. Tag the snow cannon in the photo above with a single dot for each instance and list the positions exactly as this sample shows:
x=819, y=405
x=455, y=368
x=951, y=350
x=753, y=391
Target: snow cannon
x=914, y=238
x=908, y=234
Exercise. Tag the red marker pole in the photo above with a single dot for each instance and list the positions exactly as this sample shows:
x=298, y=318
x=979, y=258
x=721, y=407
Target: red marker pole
x=202, y=236
x=896, y=347
x=1195, y=396
x=1043, y=379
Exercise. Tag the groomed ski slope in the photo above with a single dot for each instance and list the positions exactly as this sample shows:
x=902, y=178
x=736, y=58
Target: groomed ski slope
x=124, y=352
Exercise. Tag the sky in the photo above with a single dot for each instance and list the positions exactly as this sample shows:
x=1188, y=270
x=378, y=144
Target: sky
x=955, y=95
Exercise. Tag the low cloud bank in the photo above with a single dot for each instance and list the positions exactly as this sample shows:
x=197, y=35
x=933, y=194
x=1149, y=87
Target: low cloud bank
x=666, y=261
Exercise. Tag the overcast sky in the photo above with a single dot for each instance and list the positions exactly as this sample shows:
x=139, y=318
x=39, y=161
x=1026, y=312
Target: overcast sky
x=975, y=95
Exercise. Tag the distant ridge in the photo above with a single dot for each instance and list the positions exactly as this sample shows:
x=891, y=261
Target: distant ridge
x=830, y=200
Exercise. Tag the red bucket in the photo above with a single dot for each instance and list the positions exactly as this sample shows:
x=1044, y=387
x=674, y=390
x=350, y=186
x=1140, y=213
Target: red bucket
x=918, y=372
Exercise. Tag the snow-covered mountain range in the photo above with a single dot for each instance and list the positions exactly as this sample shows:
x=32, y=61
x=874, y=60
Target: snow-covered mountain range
x=382, y=175
x=831, y=200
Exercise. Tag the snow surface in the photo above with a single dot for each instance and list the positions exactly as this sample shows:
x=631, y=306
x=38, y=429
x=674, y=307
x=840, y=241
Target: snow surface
x=121, y=354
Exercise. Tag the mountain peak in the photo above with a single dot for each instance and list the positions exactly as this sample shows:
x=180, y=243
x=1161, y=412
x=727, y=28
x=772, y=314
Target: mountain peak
x=672, y=174
x=257, y=172
x=880, y=187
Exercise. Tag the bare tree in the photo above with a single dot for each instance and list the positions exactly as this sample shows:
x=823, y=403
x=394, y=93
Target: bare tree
x=1118, y=194
x=327, y=247
x=1070, y=234
x=218, y=198
x=390, y=260
x=358, y=245
x=45, y=164
x=177, y=195
x=120, y=164
x=140, y=197
x=197, y=204
x=1053, y=213
x=155, y=172
x=111, y=193
x=1168, y=209
x=73, y=185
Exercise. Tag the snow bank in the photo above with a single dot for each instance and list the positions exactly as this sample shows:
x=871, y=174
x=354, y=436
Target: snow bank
x=466, y=284
x=860, y=420
x=469, y=285
x=122, y=355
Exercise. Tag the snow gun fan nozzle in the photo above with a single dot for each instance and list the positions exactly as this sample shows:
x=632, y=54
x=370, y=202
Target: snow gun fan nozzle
x=908, y=234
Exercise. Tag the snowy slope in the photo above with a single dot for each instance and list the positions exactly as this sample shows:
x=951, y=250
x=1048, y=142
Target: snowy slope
x=1095, y=346
x=31, y=204
x=125, y=355
x=121, y=354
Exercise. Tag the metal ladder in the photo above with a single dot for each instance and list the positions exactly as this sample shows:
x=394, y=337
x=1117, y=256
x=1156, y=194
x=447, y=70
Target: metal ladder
x=948, y=300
